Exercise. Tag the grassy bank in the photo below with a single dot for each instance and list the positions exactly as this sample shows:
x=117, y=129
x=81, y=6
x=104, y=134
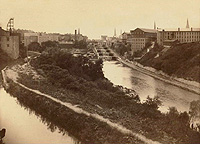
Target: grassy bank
x=69, y=81
x=86, y=129
x=181, y=60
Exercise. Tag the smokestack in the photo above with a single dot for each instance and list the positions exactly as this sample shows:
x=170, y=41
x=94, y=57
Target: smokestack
x=75, y=35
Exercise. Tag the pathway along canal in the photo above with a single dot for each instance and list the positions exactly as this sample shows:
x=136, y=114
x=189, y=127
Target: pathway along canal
x=23, y=126
x=144, y=85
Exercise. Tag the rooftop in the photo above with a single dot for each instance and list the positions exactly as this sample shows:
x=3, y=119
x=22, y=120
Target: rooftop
x=146, y=30
x=180, y=29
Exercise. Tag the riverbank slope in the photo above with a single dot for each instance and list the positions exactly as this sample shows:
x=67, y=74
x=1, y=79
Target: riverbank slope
x=180, y=61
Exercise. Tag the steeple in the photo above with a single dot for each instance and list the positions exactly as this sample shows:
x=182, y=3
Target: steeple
x=115, y=33
x=187, y=26
x=78, y=31
x=154, y=25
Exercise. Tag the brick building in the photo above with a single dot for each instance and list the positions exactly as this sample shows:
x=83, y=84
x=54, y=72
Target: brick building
x=140, y=37
x=182, y=35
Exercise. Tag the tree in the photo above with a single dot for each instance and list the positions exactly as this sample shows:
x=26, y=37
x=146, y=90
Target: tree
x=153, y=102
x=34, y=46
x=22, y=50
x=49, y=44
x=82, y=44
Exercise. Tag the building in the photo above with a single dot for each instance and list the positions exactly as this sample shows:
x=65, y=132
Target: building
x=182, y=35
x=104, y=37
x=43, y=37
x=9, y=43
x=179, y=35
x=126, y=38
x=140, y=37
x=30, y=37
x=39, y=37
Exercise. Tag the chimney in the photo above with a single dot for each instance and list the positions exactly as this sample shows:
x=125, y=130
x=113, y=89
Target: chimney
x=191, y=28
x=75, y=35
x=178, y=29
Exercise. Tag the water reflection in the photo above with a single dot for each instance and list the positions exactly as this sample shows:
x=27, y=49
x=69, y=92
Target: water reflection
x=144, y=85
x=25, y=126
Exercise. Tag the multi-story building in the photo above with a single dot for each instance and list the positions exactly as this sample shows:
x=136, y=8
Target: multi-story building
x=140, y=37
x=182, y=35
x=43, y=37
x=29, y=38
x=39, y=37
x=126, y=38
x=9, y=43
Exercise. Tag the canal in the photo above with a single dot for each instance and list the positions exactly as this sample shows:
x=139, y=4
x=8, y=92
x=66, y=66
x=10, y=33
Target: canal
x=23, y=126
x=144, y=85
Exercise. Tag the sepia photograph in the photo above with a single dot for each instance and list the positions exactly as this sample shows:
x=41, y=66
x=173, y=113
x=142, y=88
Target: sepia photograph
x=99, y=72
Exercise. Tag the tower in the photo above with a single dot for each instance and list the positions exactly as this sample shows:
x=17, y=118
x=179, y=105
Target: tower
x=75, y=36
x=187, y=26
x=10, y=25
x=79, y=31
x=154, y=25
x=115, y=32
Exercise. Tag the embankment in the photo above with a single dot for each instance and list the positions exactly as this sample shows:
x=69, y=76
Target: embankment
x=179, y=62
x=86, y=127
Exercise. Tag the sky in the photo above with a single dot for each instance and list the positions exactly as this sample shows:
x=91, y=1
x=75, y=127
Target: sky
x=98, y=17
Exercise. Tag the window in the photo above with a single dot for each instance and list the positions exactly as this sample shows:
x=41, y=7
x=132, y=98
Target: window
x=7, y=45
x=0, y=38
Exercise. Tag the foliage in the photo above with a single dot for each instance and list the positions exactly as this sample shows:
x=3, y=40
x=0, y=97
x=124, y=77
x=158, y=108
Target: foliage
x=181, y=60
x=4, y=59
x=34, y=46
x=49, y=44
x=22, y=50
x=79, y=66
x=69, y=79
x=153, y=103
x=121, y=49
x=82, y=44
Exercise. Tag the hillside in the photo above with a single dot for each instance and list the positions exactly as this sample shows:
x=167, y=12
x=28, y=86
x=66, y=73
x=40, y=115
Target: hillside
x=181, y=60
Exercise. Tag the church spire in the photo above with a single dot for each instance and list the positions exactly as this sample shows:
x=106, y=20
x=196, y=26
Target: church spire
x=154, y=25
x=115, y=32
x=79, y=31
x=187, y=26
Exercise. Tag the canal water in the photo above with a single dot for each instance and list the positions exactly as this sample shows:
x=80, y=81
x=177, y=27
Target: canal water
x=144, y=85
x=23, y=126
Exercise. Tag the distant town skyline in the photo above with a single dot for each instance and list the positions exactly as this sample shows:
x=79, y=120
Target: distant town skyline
x=96, y=18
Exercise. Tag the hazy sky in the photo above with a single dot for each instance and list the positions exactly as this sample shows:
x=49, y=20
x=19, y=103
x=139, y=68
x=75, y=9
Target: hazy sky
x=98, y=17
